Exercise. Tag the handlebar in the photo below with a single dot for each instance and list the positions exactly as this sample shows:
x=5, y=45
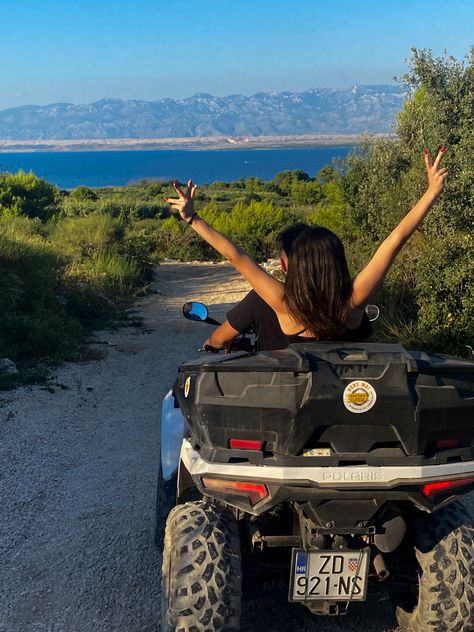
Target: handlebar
x=209, y=349
x=246, y=341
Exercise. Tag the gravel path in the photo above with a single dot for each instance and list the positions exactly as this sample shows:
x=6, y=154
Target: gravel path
x=78, y=463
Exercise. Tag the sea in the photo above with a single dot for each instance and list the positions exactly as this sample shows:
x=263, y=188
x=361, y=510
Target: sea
x=68, y=170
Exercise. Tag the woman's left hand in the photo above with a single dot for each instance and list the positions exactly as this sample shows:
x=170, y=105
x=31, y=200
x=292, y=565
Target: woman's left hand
x=184, y=204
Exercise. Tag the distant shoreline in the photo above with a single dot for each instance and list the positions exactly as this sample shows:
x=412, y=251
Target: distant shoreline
x=187, y=144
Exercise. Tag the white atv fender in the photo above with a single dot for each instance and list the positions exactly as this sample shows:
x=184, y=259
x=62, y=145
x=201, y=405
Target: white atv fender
x=173, y=427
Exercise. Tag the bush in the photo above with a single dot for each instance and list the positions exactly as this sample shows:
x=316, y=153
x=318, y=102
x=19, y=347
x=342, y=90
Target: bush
x=84, y=194
x=286, y=179
x=445, y=290
x=176, y=241
x=110, y=273
x=253, y=226
x=141, y=243
x=78, y=207
x=80, y=236
x=25, y=194
x=60, y=280
x=33, y=320
x=331, y=212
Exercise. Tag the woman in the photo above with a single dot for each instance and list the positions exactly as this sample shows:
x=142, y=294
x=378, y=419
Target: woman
x=318, y=300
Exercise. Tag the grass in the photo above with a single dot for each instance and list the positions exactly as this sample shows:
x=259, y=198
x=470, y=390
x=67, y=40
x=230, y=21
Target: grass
x=59, y=281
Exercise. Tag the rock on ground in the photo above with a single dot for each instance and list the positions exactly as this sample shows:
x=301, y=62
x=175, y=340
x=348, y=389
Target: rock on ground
x=7, y=367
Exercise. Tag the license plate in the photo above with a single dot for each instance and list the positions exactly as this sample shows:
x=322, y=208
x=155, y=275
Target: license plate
x=322, y=575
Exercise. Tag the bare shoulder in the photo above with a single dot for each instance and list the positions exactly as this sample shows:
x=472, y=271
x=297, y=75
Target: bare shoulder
x=287, y=324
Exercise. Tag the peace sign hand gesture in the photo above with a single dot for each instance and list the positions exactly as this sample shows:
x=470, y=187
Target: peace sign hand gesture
x=436, y=175
x=184, y=203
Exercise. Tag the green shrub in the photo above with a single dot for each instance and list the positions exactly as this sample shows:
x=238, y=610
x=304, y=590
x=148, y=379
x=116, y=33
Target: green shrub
x=79, y=236
x=78, y=207
x=33, y=320
x=285, y=180
x=82, y=193
x=58, y=281
x=111, y=273
x=176, y=241
x=445, y=291
x=25, y=194
x=331, y=212
x=253, y=226
x=141, y=243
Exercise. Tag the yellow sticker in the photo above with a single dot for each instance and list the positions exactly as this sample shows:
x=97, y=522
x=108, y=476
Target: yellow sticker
x=187, y=386
x=359, y=396
x=317, y=452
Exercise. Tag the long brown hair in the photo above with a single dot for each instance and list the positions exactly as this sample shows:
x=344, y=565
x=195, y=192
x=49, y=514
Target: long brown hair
x=318, y=284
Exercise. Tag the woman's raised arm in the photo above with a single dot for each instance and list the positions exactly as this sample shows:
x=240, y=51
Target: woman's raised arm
x=270, y=289
x=369, y=278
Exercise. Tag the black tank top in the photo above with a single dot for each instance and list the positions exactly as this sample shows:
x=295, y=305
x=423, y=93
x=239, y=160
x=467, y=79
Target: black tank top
x=361, y=333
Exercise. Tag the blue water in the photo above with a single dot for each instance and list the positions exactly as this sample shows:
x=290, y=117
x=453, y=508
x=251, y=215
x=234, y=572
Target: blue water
x=114, y=168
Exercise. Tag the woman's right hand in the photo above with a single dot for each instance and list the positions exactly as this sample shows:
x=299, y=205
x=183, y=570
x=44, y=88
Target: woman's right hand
x=184, y=203
x=436, y=175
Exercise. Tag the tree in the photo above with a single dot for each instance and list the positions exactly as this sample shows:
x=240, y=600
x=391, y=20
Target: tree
x=433, y=280
x=326, y=174
x=285, y=179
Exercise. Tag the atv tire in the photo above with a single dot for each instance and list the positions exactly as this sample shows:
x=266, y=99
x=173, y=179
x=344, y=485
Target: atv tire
x=444, y=549
x=201, y=576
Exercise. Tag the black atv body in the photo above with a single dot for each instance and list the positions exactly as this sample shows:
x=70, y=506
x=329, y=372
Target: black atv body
x=338, y=463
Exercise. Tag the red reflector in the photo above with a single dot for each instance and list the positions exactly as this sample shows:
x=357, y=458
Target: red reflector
x=447, y=443
x=253, y=491
x=430, y=490
x=245, y=444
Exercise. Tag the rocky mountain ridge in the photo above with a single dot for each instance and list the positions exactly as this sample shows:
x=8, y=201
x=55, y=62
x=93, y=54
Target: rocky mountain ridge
x=320, y=111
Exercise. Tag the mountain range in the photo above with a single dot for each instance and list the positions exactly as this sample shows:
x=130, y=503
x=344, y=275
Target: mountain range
x=369, y=108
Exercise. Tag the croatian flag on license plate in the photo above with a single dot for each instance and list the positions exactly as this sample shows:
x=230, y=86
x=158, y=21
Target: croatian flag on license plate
x=300, y=565
x=353, y=564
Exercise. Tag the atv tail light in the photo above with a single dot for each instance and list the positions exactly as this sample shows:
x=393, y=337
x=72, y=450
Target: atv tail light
x=431, y=490
x=245, y=444
x=255, y=492
x=447, y=443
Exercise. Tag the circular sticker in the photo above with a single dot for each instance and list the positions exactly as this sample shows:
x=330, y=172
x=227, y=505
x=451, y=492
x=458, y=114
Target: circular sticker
x=359, y=396
x=187, y=386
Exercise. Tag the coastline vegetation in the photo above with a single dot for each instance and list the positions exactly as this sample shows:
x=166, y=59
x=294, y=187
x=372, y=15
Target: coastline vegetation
x=73, y=261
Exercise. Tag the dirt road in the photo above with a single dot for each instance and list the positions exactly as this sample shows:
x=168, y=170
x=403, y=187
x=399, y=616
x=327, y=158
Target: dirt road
x=78, y=463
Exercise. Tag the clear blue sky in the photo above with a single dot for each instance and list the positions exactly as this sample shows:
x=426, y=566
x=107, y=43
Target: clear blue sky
x=84, y=50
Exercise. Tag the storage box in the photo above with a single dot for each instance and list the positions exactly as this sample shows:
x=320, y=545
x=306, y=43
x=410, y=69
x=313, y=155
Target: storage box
x=336, y=399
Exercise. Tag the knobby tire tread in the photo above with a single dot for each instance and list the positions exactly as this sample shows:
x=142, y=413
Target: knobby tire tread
x=201, y=578
x=444, y=548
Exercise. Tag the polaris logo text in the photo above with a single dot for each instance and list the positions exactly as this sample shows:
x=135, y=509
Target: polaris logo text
x=353, y=477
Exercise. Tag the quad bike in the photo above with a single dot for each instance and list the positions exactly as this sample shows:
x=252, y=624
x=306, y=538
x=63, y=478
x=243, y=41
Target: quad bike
x=335, y=468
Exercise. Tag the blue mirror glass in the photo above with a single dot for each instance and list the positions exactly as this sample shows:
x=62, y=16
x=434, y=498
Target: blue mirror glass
x=195, y=311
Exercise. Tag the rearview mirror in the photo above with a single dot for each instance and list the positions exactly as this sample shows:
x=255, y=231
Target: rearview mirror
x=193, y=310
x=372, y=311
